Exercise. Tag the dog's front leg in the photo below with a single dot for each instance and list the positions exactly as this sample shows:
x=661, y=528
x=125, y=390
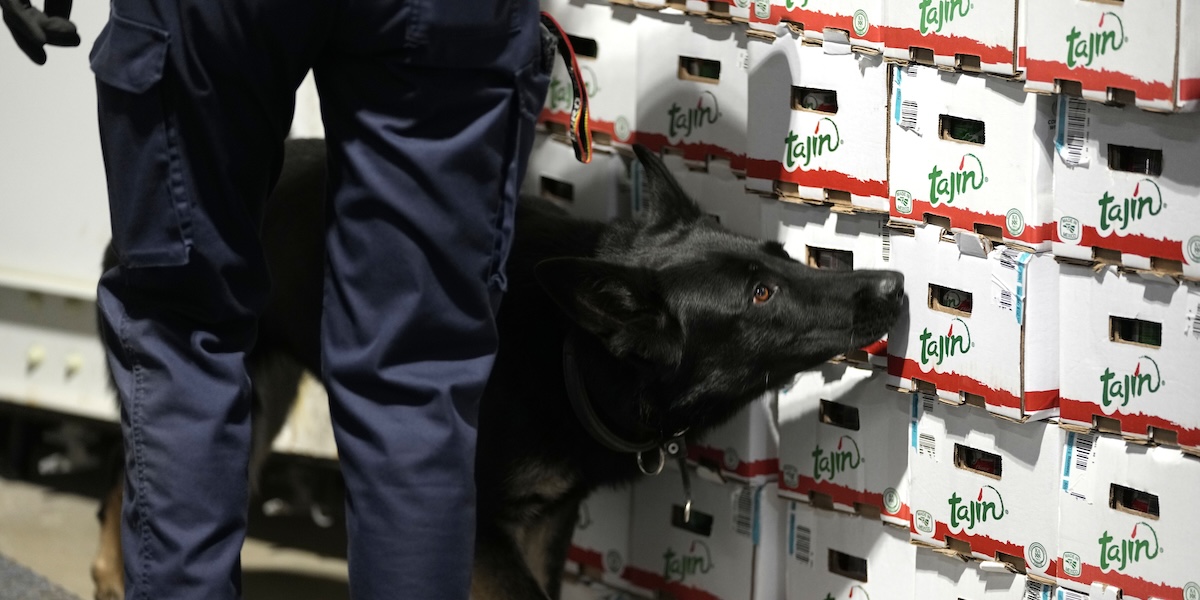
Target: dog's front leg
x=108, y=568
x=500, y=572
x=546, y=542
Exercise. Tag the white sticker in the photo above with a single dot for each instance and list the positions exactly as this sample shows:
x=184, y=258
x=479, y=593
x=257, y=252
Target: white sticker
x=743, y=511
x=1008, y=281
x=1192, y=320
x=1078, y=466
x=1071, y=139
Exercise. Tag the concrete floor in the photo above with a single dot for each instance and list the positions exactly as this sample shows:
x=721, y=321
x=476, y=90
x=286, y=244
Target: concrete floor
x=53, y=531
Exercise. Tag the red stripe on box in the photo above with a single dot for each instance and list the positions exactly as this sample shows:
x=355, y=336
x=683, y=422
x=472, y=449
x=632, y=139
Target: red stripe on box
x=585, y=557
x=1135, y=244
x=1189, y=89
x=816, y=21
x=965, y=220
x=653, y=581
x=987, y=546
x=700, y=152
x=1130, y=586
x=817, y=178
x=876, y=348
x=947, y=45
x=1048, y=71
x=898, y=366
x=767, y=466
x=1081, y=411
x=843, y=495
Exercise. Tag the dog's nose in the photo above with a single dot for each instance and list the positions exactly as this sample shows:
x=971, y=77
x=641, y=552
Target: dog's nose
x=891, y=284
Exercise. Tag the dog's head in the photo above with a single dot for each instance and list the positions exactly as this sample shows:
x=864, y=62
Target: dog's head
x=716, y=317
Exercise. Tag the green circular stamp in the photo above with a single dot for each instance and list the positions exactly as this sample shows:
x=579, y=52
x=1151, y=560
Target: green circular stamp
x=891, y=501
x=621, y=129
x=1191, y=591
x=861, y=23
x=614, y=562
x=1037, y=555
x=731, y=458
x=1192, y=249
x=1015, y=222
x=904, y=202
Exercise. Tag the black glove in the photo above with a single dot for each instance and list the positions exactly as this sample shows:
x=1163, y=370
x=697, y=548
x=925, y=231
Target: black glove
x=33, y=29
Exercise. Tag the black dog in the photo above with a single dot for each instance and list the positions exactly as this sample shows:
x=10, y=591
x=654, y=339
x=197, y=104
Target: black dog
x=615, y=339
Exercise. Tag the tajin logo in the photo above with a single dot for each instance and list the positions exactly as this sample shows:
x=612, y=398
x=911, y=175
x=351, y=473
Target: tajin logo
x=846, y=458
x=697, y=560
x=814, y=145
x=1142, y=544
x=969, y=176
x=683, y=121
x=945, y=346
x=1146, y=201
x=1123, y=388
x=1081, y=52
x=979, y=510
x=936, y=14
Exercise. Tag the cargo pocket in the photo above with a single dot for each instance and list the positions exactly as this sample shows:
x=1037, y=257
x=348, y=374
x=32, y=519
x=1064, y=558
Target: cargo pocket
x=532, y=81
x=148, y=206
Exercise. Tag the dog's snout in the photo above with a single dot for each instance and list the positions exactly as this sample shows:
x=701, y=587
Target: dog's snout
x=891, y=284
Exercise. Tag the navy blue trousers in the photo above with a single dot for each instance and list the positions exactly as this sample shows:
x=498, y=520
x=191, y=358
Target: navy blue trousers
x=429, y=107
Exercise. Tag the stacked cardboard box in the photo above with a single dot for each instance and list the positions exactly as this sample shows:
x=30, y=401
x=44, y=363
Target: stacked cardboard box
x=1043, y=441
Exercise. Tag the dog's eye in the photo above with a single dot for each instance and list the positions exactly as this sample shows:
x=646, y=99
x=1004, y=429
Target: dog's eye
x=762, y=293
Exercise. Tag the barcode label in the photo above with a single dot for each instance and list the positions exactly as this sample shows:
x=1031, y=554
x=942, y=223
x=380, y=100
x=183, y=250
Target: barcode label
x=912, y=70
x=803, y=549
x=1036, y=591
x=1006, y=300
x=1073, y=136
x=1065, y=594
x=885, y=235
x=926, y=445
x=1078, y=462
x=1083, y=452
x=1193, y=314
x=1008, y=259
x=908, y=115
x=928, y=401
x=743, y=520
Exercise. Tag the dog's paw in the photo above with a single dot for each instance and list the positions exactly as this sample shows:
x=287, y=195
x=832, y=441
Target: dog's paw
x=109, y=579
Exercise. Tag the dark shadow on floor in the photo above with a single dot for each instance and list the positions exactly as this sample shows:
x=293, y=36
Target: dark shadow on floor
x=286, y=585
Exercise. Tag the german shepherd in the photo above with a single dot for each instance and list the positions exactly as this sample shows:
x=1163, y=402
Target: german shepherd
x=616, y=339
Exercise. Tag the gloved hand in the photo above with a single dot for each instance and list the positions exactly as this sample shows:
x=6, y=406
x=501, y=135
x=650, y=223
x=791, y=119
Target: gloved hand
x=33, y=29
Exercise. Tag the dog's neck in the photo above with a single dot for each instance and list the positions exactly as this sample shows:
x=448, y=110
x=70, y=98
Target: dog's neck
x=610, y=398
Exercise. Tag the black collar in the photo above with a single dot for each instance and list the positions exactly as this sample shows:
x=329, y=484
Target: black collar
x=672, y=446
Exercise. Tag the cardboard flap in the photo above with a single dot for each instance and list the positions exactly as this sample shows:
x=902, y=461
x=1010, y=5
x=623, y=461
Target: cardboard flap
x=973, y=244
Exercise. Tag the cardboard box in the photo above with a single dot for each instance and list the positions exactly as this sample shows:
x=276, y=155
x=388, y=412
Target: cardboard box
x=600, y=546
x=844, y=557
x=972, y=153
x=719, y=192
x=1128, y=516
x=729, y=549
x=942, y=577
x=598, y=190
x=735, y=11
x=855, y=22
x=985, y=488
x=1133, y=51
x=824, y=238
x=745, y=448
x=691, y=90
x=818, y=124
x=982, y=324
x=956, y=34
x=1130, y=348
x=604, y=37
x=843, y=440
x=1125, y=187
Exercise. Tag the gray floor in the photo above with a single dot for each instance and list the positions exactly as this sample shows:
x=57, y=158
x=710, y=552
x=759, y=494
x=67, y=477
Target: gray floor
x=51, y=529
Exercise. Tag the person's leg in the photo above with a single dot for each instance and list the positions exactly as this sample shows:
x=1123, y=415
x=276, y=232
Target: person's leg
x=195, y=99
x=429, y=126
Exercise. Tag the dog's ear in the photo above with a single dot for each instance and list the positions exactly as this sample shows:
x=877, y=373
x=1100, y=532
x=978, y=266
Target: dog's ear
x=666, y=202
x=617, y=304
